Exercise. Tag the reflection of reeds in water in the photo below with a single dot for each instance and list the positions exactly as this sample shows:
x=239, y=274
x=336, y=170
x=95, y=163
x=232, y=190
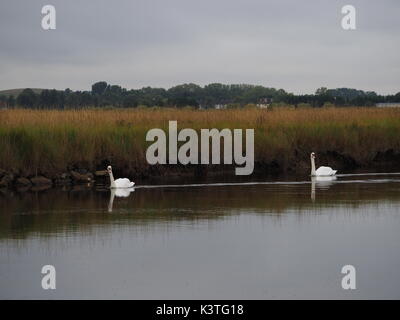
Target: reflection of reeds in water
x=48, y=141
x=54, y=211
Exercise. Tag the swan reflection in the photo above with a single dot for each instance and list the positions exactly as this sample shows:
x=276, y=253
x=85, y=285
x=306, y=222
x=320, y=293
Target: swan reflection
x=321, y=183
x=119, y=193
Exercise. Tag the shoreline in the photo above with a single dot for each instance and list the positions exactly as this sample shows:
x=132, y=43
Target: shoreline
x=76, y=175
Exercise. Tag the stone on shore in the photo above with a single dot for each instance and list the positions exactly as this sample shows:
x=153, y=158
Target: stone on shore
x=80, y=177
x=40, y=181
x=3, y=183
x=100, y=173
x=2, y=173
x=23, y=182
x=6, y=179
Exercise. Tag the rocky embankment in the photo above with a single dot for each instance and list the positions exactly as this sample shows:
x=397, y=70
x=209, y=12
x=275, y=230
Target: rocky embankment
x=13, y=179
x=388, y=161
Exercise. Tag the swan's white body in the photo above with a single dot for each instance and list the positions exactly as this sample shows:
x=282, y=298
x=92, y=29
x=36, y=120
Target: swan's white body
x=321, y=171
x=324, y=180
x=122, y=183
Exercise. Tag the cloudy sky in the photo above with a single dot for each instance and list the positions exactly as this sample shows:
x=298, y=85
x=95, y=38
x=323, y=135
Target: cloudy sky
x=290, y=44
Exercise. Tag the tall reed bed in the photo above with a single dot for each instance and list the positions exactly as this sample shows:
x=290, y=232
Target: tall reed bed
x=49, y=141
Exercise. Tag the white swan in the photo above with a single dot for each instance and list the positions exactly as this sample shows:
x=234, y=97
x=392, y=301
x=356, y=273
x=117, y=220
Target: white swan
x=321, y=171
x=121, y=183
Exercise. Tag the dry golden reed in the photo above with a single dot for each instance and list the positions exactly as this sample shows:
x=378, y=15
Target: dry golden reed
x=49, y=140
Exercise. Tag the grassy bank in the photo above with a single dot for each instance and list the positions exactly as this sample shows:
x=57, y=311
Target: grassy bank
x=50, y=142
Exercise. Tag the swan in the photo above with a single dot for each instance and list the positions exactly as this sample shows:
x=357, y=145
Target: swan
x=321, y=171
x=121, y=183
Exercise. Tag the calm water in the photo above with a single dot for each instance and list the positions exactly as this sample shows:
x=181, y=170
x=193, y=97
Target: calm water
x=235, y=241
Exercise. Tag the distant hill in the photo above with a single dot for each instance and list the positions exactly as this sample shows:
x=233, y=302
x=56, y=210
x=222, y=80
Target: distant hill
x=16, y=92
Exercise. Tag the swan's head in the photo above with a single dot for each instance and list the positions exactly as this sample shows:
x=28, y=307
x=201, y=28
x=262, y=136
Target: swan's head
x=109, y=169
x=312, y=155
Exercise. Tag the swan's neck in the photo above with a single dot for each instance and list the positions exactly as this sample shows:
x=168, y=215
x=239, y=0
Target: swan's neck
x=312, y=166
x=112, y=180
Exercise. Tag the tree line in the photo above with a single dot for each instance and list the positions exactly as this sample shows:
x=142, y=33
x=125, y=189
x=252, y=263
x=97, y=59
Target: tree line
x=103, y=94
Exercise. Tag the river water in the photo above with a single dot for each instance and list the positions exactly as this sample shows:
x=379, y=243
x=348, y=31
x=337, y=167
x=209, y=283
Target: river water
x=261, y=240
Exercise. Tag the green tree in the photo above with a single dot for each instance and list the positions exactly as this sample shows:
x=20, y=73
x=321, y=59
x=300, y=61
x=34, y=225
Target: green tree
x=130, y=101
x=99, y=87
x=321, y=91
x=11, y=101
x=27, y=98
x=185, y=95
x=3, y=101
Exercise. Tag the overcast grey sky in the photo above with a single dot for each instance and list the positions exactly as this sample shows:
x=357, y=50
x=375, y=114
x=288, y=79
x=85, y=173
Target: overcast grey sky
x=290, y=44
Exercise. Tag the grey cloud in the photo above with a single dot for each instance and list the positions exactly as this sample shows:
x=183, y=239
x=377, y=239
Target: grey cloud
x=294, y=45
